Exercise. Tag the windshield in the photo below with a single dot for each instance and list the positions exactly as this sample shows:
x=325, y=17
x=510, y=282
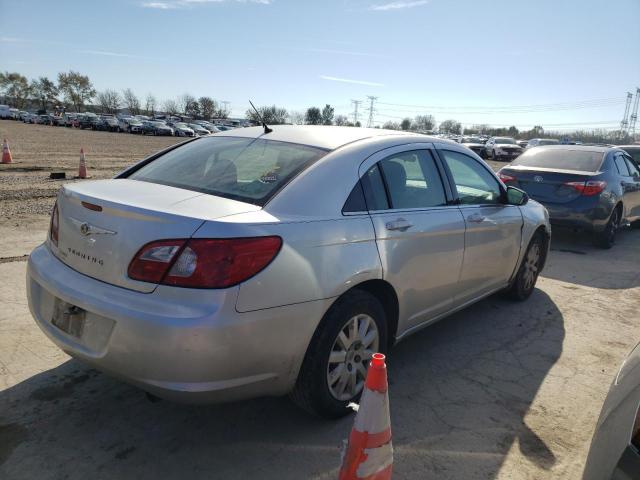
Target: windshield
x=549, y=141
x=561, y=159
x=157, y=124
x=471, y=140
x=502, y=140
x=245, y=169
x=181, y=125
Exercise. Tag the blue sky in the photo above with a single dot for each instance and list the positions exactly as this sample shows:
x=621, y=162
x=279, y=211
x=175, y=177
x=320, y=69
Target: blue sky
x=471, y=60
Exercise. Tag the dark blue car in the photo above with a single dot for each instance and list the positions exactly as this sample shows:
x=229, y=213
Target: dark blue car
x=591, y=188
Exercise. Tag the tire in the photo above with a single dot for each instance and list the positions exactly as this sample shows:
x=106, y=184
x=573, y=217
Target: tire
x=607, y=238
x=493, y=155
x=525, y=280
x=313, y=392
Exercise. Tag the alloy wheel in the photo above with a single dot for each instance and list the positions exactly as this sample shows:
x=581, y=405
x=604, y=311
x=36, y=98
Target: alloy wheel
x=347, y=369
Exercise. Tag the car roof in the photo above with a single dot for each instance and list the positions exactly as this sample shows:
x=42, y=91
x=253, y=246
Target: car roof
x=320, y=136
x=585, y=148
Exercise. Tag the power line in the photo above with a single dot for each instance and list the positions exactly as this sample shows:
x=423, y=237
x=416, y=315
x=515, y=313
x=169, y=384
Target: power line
x=372, y=99
x=594, y=103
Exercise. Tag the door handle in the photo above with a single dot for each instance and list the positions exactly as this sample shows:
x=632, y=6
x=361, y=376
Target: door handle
x=476, y=218
x=399, y=224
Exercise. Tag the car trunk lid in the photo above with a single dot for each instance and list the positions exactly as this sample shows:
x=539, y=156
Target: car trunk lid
x=547, y=185
x=104, y=223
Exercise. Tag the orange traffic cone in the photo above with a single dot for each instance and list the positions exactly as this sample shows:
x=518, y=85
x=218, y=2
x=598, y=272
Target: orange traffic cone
x=82, y=171
x=369, y=453
x=6, y=153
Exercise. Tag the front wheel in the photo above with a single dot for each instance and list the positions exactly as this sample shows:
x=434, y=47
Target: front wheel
x=527, y=276
x=334, y=369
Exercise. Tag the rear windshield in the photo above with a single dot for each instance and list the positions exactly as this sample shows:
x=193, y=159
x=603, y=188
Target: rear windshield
x=245, y=169
x=579, y=160
x=548, y=141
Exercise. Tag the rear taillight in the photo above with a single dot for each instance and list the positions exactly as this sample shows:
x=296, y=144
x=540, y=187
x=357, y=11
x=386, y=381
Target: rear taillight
x=203, y=263
x=506, y=178
x=588, y=189
x=55, y=221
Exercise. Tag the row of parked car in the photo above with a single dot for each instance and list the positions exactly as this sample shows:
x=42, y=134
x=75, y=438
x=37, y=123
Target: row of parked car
x=140, y=124
x=504, y=148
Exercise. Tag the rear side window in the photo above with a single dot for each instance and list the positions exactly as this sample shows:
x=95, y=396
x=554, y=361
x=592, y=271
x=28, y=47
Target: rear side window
x=413, y=180
x=633, y=170
x=374, y=192
x=578, y=160
x=245, y=169
x=621, y=166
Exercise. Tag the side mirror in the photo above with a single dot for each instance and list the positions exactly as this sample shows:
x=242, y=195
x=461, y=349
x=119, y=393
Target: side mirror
x=515, y=196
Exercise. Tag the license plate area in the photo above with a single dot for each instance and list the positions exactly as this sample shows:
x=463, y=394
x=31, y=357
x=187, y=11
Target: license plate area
x=68, y=318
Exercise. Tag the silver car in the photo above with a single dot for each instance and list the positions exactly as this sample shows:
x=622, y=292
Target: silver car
x=615, y=447
x=248, y=263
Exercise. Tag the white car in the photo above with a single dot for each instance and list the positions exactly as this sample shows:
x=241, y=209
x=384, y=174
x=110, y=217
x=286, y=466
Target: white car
x=502, y=148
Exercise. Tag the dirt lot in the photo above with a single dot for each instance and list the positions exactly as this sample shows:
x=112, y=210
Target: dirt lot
x=501, y=390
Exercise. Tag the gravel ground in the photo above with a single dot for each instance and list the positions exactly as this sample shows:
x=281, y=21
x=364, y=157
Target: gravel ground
x=500, y=390
x=25, y=188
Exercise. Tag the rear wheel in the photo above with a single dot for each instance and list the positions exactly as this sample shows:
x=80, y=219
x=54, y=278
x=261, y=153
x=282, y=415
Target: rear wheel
x=607, y=237
x=527, y=276
x=335, y=366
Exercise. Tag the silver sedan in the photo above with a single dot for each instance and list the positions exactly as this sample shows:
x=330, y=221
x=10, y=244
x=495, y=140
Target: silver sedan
x=248, y=263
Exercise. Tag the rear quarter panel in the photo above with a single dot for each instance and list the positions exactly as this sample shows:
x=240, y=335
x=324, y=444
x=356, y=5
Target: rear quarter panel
x=319, y=259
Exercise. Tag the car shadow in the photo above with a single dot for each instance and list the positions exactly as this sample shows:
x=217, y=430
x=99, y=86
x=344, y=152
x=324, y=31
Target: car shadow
x=460, y=390
x=574, y=259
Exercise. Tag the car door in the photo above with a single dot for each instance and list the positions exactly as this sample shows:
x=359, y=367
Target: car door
x=633, y=193
x=493, y=228
x=419, y=233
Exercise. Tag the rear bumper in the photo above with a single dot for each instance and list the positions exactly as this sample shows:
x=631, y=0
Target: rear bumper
x=182, y=344
x=584, y=215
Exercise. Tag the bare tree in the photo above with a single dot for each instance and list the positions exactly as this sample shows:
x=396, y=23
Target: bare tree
x=109, y=101
x=271, y=115
x=423, y=122
x=450, y=126
x=341, y=120
x=296, y=117
x=391, y=125
x=208, y=107
x=184, y=101
x=150, y=106
x=171, y=107
x=327, y=114
x=131, y=101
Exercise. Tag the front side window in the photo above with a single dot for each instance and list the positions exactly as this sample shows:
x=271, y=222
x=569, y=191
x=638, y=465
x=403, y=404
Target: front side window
x=245, y=169
x=475, y=185
x=413, y=180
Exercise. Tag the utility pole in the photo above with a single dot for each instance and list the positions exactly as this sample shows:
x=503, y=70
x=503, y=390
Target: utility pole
x=226, y=106
x=372, y=110
x=634, y=115
x=624, y=124
x=356, y=104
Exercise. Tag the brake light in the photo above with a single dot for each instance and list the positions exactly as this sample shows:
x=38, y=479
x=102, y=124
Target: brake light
x=506, y=178
x=203, y=263
x=53, y=227
x=588, y=189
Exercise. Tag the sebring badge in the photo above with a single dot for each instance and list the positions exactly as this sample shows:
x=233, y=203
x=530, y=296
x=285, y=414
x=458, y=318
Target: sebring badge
x=538, y=179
